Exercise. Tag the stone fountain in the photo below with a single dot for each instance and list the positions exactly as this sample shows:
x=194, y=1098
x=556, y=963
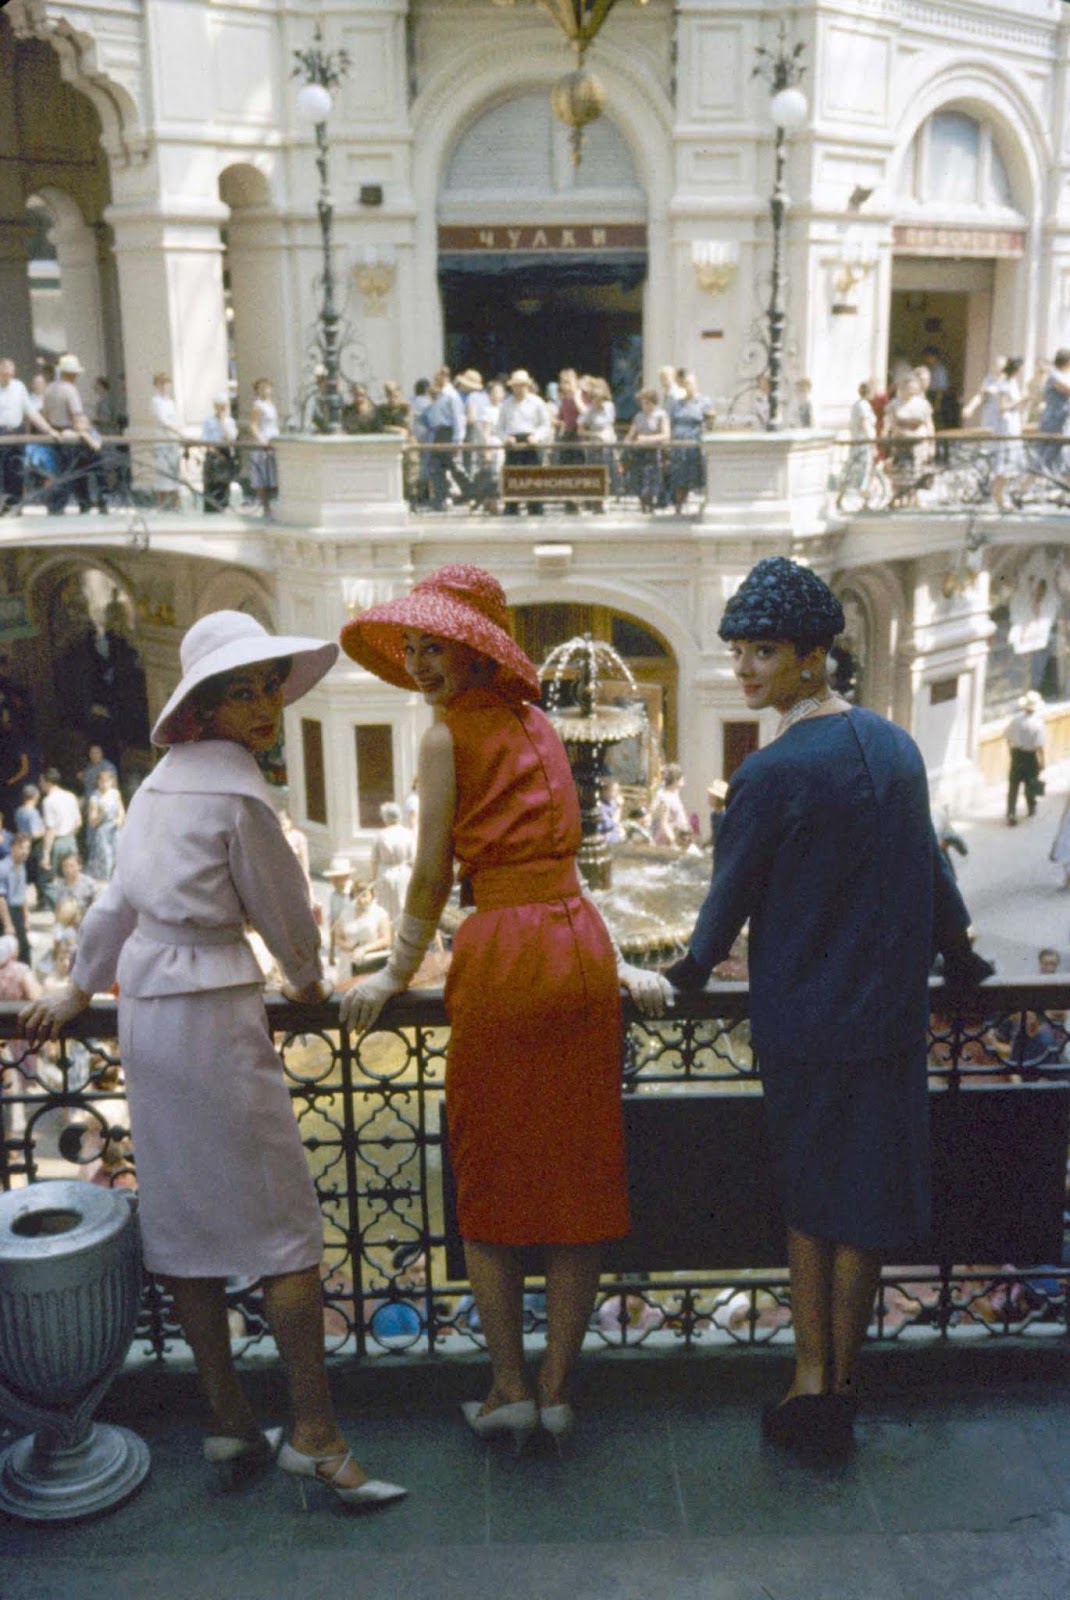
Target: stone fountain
x=648, y=894
x=571, y=676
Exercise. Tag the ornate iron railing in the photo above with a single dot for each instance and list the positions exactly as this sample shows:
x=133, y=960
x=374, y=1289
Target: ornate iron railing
x=371, y=1115
x=138, y=473
x=562, y=475
x=953, y=472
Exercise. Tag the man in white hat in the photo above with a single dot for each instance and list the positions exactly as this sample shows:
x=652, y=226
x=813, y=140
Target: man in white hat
x=1025, y=739
x=75, y=452
x=525, y=423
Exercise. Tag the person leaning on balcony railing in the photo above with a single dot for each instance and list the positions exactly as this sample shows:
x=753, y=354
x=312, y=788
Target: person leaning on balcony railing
x=17, y=415
x=224, y=1187
x=533, y=992
x=827, y=847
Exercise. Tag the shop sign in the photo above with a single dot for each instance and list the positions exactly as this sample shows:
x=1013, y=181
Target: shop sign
x=550, y=237
x=924, y=241
x=15, y=619
x=555, y=483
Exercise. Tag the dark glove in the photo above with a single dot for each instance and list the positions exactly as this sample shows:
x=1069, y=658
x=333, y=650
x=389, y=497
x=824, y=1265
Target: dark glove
x=964, y=971
x=686, y=973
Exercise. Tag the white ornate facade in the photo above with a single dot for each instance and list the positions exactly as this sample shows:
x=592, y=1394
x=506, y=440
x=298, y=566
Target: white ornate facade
x=929, y=203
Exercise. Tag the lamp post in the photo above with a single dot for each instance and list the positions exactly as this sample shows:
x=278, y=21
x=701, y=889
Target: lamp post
x=322, y=71
x=782, y=69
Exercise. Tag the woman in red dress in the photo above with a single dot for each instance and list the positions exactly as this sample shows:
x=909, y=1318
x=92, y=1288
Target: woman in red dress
x=533, y=1076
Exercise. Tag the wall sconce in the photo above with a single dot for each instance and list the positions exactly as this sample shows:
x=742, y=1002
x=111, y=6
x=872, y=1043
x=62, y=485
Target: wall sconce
x=715, y=262
x=374, y=277
x=851, y=270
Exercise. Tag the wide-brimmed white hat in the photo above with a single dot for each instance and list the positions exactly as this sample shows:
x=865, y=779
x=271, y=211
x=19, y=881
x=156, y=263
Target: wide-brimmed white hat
x=225, y=640
x=519, y=376
x=338, y=867
x=1030, y=700
x=69, y=363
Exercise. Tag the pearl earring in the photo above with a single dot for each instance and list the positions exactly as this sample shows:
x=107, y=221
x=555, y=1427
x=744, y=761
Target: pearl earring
x=805, y=675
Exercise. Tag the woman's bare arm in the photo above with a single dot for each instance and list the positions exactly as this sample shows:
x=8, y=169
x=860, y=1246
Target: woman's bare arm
x=432, y=872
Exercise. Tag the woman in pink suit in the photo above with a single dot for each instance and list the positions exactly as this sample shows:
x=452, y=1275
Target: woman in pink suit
x=223, y=1184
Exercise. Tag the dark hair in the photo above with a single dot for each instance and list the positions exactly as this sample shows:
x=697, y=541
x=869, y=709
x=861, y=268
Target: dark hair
x=421, y=386
x=209, y=695
x=52, y=775
x=1061, y=358
x=1014, y=364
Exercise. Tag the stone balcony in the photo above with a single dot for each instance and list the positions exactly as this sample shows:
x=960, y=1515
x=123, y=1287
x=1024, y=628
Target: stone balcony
x=960, y=1486
x=960, y=1490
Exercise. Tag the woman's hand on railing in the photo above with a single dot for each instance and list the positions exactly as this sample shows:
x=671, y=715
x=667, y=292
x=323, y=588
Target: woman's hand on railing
x=315, y=993
x=46, y=1018
x=650, y=993
x=362, y=1004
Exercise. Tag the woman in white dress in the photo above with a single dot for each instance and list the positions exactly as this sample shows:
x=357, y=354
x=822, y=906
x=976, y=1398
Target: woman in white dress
x=167, y=452
x=105, y=815
x=393, y=853
x=362, y=932
x=224, y=1187
x=1010, y=462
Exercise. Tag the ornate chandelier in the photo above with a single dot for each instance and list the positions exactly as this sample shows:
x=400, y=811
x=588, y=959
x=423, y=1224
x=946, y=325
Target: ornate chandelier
x=578, y=98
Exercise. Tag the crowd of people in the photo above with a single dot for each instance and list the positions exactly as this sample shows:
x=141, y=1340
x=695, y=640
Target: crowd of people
x=899, y=424
x=533, y=993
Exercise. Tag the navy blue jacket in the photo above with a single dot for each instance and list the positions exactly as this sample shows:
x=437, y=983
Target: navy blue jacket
x=827, y=846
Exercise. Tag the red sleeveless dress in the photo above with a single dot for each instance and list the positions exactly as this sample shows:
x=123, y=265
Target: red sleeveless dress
x=533, y=1076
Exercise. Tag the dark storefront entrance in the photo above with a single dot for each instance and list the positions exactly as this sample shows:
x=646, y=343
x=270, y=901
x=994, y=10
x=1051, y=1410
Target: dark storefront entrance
x=546, y=308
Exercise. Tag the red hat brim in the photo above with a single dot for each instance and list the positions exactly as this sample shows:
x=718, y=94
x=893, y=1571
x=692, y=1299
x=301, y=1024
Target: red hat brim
x=375, y=640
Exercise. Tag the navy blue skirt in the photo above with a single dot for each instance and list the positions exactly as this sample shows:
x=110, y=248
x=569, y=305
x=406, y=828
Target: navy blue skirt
x=850, y=1142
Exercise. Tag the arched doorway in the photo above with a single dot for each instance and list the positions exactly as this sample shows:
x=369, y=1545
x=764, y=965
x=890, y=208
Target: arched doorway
x=959, y=241
x=542, y=264
x=57, y=272
x=86, y=674
x=540, y=627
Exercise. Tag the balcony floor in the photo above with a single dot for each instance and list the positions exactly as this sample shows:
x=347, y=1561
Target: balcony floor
x=960, y=1488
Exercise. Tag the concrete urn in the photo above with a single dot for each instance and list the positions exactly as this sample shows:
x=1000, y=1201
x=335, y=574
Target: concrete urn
x=70, y=1283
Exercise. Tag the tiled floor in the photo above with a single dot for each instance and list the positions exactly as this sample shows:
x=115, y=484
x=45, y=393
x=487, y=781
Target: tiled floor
x=959, y=1488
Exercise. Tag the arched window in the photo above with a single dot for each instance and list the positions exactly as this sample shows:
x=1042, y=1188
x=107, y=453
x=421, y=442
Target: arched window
x=519, y=147
x=953, y=163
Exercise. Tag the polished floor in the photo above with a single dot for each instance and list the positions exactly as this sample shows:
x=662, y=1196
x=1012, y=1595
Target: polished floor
x=960, y=1487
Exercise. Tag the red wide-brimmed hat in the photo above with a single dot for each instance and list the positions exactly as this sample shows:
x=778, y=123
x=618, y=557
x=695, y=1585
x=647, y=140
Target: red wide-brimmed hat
x=458, y=602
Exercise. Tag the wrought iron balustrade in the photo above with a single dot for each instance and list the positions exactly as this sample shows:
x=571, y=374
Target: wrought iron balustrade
x=582, y=478
x=371, y=1115
x=121, y=474
x=953, y=471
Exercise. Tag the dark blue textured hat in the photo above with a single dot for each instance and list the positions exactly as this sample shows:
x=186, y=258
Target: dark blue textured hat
x=780, y=600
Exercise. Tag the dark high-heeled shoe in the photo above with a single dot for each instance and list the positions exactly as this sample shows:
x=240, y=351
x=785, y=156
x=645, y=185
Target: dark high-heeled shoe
x=817, y=1428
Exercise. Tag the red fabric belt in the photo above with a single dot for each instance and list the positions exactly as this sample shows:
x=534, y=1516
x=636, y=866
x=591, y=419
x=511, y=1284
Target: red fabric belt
x=521, y=883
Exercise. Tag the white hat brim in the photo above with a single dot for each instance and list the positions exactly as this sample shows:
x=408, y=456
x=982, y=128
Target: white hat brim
x=312, y=660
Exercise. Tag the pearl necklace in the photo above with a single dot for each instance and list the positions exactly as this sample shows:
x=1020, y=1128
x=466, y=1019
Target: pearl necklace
x=805, y=708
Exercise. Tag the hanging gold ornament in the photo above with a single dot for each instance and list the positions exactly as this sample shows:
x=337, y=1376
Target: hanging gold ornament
x=578, y=98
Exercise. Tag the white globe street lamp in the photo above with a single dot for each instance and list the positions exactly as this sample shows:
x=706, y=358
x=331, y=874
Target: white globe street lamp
x=323, y=70
x=788, y=111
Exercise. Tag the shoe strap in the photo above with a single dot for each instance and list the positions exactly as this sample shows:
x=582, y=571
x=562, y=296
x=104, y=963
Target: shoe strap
x=341, y=1458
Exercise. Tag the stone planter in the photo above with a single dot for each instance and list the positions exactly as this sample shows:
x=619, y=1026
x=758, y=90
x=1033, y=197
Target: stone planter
x=70, y=1282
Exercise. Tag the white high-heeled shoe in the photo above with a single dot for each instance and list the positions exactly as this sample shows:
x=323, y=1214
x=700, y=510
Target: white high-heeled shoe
x=365, y=1496
x=558, y=1421
x=238, y=1460
x=519, y=1419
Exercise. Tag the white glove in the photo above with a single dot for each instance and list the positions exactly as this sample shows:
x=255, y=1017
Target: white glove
x=362, y=1004
x=651, y=993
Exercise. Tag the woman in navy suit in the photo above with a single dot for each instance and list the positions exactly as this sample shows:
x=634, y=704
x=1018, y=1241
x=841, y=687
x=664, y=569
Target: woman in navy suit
x=827, y=846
